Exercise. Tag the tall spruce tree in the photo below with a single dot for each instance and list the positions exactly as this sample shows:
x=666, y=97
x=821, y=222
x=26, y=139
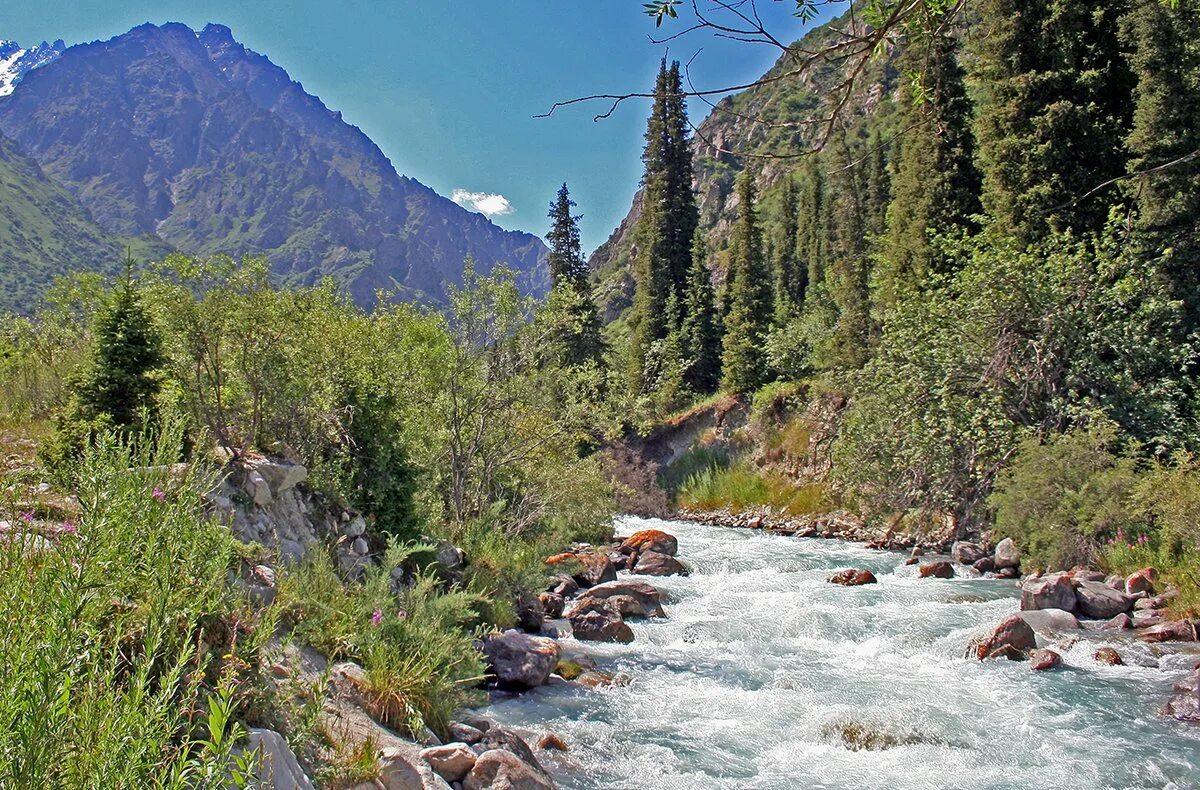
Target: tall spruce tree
x=1165, y=55
x=811, y=222
x=1054, y=110
x=701, y=332
x=936, y=187
x=848, y=261
x=743, y=360
x=569, y=274
x=667, y=224
x=791, y=275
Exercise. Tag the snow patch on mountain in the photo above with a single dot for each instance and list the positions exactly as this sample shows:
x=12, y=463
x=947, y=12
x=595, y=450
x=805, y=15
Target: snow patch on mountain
x=16, y=62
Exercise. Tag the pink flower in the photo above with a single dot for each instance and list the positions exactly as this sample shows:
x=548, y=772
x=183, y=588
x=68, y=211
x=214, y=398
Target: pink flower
x=401, y=615
x=69, y=527
x=27, y=516
x=376, y=617
x=158, y=494
x=1142, y=539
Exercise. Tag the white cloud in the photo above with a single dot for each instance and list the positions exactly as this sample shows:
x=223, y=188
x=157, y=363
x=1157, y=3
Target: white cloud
x=484, y=203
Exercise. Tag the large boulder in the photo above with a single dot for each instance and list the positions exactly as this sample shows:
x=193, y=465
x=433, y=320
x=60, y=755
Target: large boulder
x=594, y=569
x=1141, y=581
x=498, y=769
x=1013, y=638
x=852, y=577
x=939, y=569
x=1099, y=601
x=600, y=622
x=504, y=739
x=654, y=563
x=552, y=604
x=279, y=475
x=1007, y=554
x=966, y=553
x=1172, y=631
x=650, y=540
x=647, y=597
x=520, y=661
x=452, y=762
x=1049, y=619
x=1054, y=591
x=1185, y=704
x=530, y=612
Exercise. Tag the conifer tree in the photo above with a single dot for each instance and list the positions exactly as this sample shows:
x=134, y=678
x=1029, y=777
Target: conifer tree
x=743, y=359
x=569, y=275
x=701, y=333
x=848, y=268
x=878, y=186
x=811, y=222
x=1054, y=109
x=791, y=277
x=936, y=187
x=1165, y=55
x=683, y=214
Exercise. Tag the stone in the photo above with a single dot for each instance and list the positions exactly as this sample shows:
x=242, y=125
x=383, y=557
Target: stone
x=1185, y=702
x=966, y=553
x=501, y=770
x=1107, y=655
x=552, y=604
x=1013, y=638
x=1007, y=555
x=401, y=770
x=912, y=560
x=452, y=762
x=620, y=561
x=936, y=570
x=984, y=565
x=853, y=577
x=650, y=540
x=451, y=561
x=520, y=661
x=1044, y=659
x=1144, y=618
x=1007, y=573
x=602, y=623
x=257, y=488
x=647, y=595
x=355, y=527
x=1121, y=622
x=506, y=740
x=530, y=612
x=653, y=563
x=280, y=475
x=552, y=742
x=1171, y=631
x=464, y=733
x=563, y=585
x=1099, y=601
x=1081, y=574
x=594, y=569
x=277, y=767
x=361, y=547
x=1141, y=581
x=1049, y=619
x=1054, y=591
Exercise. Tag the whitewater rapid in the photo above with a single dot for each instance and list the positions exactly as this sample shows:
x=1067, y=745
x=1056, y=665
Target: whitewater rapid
x=764, y=675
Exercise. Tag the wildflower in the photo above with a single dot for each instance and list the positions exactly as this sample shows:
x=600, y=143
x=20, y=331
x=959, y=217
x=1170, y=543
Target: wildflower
x=401, y=615
x=376, y=617
x=27, y=516
x=1143, y=539
x=158, y=494
x=68, y=527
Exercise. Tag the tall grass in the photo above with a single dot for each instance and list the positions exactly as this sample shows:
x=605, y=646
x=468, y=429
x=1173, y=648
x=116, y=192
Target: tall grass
x=122, y=644
x=742, y=485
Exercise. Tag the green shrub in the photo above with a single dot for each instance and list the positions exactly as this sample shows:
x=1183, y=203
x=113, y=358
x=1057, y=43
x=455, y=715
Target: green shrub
x=742, y=485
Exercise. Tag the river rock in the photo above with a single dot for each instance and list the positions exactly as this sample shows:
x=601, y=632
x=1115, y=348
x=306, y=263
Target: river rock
x=501, y=770
x=452, y=762
x=462, y=732
x=852, y=577
x=1043, y=659
x=504, y=739
x=620, y=561
x=1108, y=655
x=1185, y=704
x=654, y=563
x=1141, y=581
x=596, y=569
x=650, y=540
x=552, y=604
x=1007, y=555
x=936, y=570
x=984, y=565
x=966, y=553
x=1048, y=592
x=1081, y=574
x=552, y=742
x=648, y=597
x=519, y=660
x=530, y=612
x=1171, y=631
x=1049, y=619
x=1013, y=638
x=1099, y=601
x=563, y=585
x=600, y=622
x=1144, y=618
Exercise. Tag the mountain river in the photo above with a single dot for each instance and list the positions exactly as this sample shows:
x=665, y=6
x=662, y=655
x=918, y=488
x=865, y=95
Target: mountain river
x=765, y=675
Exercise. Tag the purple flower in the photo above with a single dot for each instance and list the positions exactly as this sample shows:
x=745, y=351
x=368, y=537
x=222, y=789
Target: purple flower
x=68, y=527
x=158, y=494
x=27, y=516
x=376, y=617
x=401, y=615
x=1142, y=539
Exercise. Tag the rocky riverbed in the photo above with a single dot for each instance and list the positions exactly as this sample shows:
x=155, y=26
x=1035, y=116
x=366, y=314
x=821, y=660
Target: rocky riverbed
x=763, y=674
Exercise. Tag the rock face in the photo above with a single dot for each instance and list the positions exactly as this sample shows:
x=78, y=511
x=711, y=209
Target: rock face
x=936, y=570
x=1007, y=555
x=1185, y=704
x=1012, y=639
x=1099, y=601
x=502, y=770
x=521, y=661
x=1048, y=592
x=852, y=577
x=647, y=597
x=650, y=540
x=653, y=563
x=1043, y=659
x=966, y=553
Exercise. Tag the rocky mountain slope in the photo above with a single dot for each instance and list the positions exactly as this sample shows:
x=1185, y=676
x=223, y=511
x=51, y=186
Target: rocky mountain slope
x=211, y=147
x=16, y=61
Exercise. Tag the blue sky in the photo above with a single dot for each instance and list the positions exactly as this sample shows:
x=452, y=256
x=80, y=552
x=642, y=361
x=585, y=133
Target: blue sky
x=449, y=88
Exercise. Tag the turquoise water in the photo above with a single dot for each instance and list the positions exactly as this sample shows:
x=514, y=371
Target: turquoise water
x=762, y=667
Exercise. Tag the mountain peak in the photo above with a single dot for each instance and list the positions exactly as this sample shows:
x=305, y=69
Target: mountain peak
x=16, y=62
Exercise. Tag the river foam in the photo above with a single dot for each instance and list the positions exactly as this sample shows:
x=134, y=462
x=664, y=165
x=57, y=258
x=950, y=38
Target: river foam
x=765, y=675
